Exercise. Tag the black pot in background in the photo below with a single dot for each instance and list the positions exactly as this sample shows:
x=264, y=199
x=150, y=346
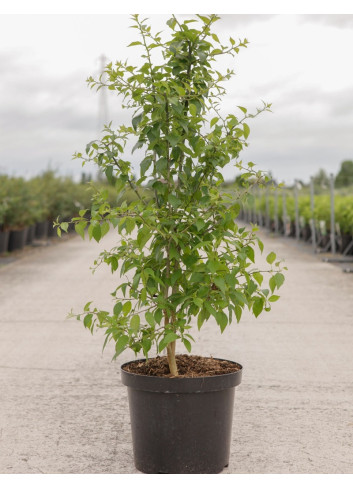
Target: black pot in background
x=17, y=239
x=306, y=232
x=346, y=241
x=30, y=234
x=52, y=231
x=71, y=228
x=41, y=231
x=181, y=425
x=4, y=241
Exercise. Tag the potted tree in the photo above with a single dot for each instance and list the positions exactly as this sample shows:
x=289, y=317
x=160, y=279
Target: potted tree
x=18, y=215
x=183, y=257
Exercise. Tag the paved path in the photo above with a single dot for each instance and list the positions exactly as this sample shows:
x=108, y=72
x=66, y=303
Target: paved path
x=63, y=409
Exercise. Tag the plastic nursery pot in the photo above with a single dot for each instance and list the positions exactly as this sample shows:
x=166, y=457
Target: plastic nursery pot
x=181, y=425
x=41, y=231
x=4, y=241
x=17, y=239
x=52, y=231
x=30, y=234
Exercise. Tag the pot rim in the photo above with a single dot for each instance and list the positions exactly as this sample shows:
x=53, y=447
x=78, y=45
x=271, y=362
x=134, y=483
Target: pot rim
x=180, y=384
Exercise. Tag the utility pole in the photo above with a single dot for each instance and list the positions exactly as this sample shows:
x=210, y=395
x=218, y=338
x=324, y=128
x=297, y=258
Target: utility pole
x=103, y=115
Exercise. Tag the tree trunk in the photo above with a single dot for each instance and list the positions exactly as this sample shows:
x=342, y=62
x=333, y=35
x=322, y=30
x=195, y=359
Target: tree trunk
x=171, y=359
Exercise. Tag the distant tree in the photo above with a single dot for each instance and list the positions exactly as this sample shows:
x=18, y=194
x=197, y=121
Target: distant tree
x=344, y=177
x=321, y=179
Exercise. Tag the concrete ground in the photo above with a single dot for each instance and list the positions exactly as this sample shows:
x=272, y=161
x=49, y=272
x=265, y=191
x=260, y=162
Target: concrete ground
x=64, y=410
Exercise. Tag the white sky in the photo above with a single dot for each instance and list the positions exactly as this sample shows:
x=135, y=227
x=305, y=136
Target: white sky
x=302, y=64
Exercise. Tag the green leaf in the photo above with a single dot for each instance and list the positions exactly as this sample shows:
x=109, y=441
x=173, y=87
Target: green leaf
x=272, y=283
x=168, y=338
x=238, y=312
x=161, y=165
x=222, y=320
x=193, y=109
x=197, y=301
x=121, y=344
x=136, y=120
x=64, y=226
x=158, y=316
x=214, y=121
x=220, y=284
x=174, y=201
x=273, y=298
x=171, y=23
x=210, y=309
x=200, y=223
x=200, y=319
x=135, y=323
x=246, y=130
x=150, y=319
x=196, y=277
x=250, y=253
x=80, y=227
x=117, y=308
x=258, y=277
x=279, y=279
x=105, y=228
x=187, y=344
x=215, y=37
x=213, y=266
x=143, y=237
x=87, y=321
x=145, y=164
x=258, y=306
x=173, y=139
x=271, y=257
x=143, y=295
x=96, y=232
x=129, y=225
x=127, y=308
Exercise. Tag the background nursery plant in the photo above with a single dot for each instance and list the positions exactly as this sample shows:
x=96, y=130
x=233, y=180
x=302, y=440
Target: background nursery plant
x=180, y=251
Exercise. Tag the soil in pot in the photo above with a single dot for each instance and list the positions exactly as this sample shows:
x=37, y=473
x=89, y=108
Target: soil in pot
x=188, y=366
x=181, y=425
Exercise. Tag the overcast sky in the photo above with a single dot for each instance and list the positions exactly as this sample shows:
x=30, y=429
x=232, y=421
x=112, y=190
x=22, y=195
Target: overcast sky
x=302, y=64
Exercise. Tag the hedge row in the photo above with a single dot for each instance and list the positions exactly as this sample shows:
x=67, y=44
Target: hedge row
x=343, y=205
x=44, y=198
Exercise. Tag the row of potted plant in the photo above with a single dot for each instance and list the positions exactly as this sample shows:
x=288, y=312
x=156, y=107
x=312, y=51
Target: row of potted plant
x=343, y=207
x=29, y=207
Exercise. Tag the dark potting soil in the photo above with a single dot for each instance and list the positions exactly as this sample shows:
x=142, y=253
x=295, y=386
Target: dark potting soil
x=188, y=366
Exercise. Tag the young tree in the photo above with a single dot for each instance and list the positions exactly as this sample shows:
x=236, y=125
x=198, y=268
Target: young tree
x=344, y=177
x=182, y=253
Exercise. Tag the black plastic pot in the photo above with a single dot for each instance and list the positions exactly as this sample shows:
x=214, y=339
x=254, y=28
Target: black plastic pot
x=306, y=232
x=181, y=425
x=52, y=231
x=17, y=239
x=4, y=241
x=346, y=241
x=30, y=234
x=41, y=230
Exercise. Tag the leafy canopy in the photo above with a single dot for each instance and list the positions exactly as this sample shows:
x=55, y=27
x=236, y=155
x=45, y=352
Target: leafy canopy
x=181, y=254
